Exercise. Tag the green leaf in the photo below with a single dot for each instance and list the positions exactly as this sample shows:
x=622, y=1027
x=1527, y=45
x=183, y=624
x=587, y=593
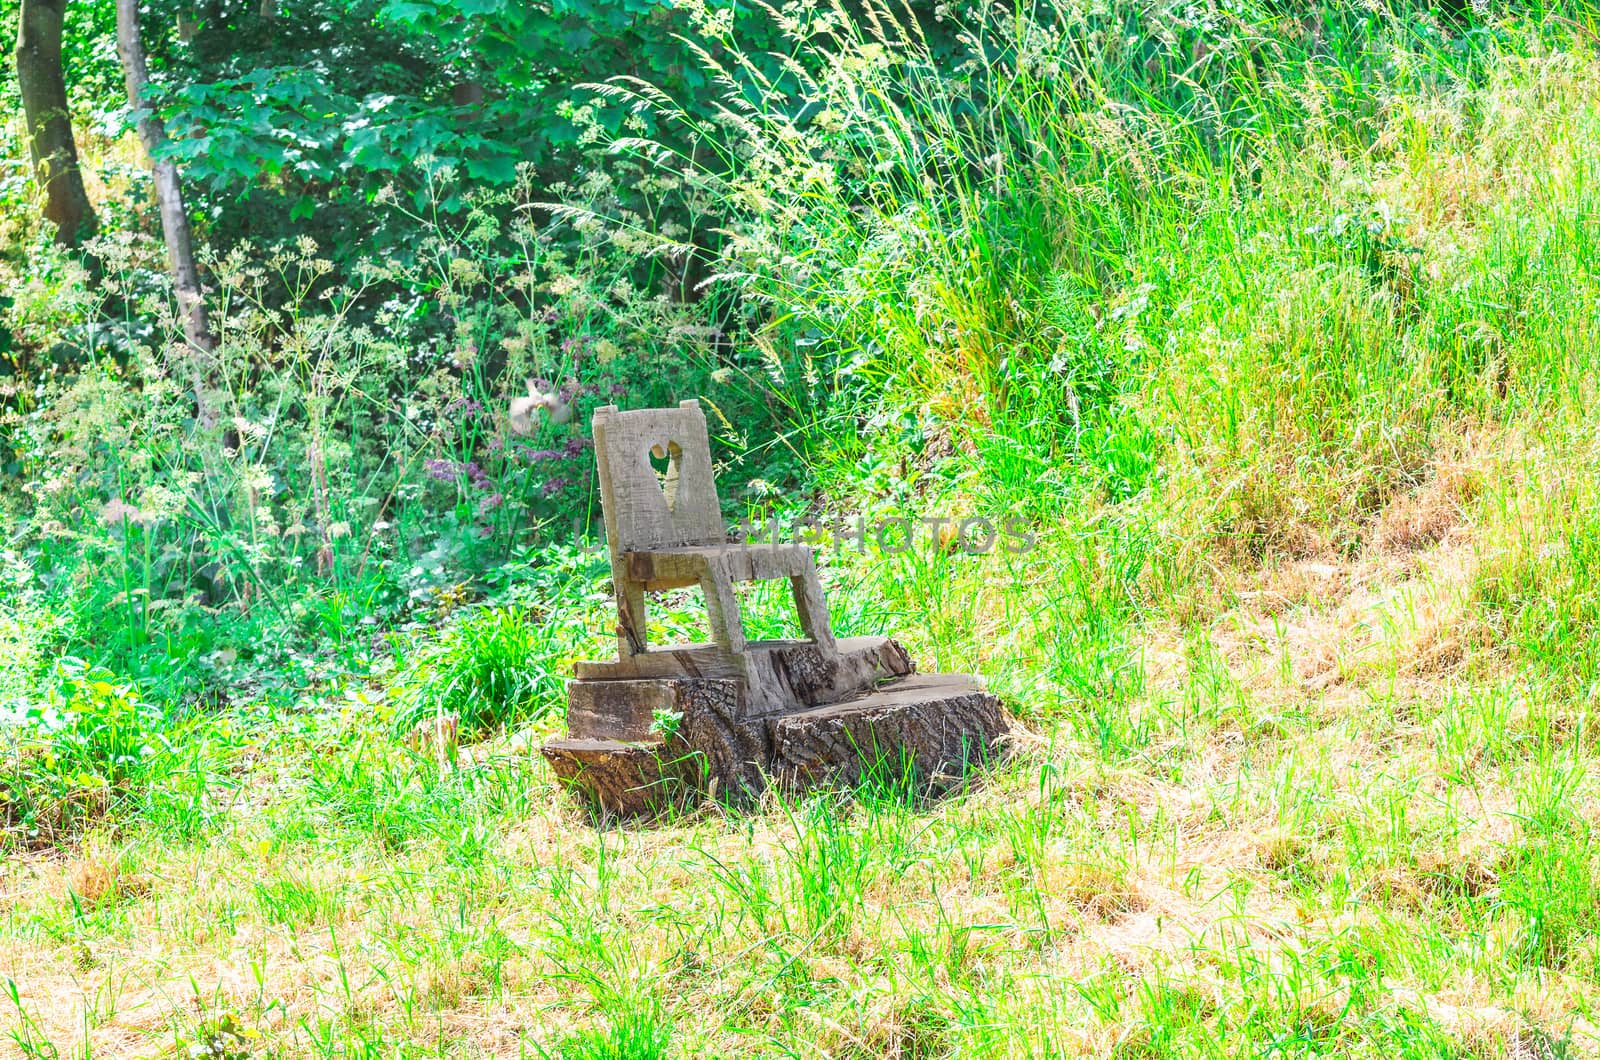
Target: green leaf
x=494, y=170
x=406, y=11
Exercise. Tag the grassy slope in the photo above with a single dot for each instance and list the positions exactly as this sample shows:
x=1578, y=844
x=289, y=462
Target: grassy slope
x=1308, y=765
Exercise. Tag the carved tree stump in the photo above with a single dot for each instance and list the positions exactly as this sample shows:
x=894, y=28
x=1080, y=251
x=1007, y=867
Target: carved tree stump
x=624, y=780
x=659, y=725
x=931, y=727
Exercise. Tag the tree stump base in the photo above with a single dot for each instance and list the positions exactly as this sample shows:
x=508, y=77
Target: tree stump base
x=779, y=713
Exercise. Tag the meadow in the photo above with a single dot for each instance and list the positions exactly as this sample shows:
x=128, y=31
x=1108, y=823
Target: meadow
x=1277, y=327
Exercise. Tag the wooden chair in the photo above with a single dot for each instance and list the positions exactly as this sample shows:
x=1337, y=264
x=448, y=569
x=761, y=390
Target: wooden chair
x=797, y=712
x=666, y=531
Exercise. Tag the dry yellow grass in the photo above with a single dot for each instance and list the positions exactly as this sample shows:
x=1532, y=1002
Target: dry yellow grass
x=1297, y=796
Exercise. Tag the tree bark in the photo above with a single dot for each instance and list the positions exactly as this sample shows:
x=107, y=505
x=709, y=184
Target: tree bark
x=169, y=197
x=44, y=100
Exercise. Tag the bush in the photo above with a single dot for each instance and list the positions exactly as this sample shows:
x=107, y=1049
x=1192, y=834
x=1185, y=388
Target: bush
x=72, y=757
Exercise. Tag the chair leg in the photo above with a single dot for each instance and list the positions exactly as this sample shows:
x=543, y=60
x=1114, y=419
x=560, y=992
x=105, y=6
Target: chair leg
x=722, y=608
x=812, y=607
x=631, y=619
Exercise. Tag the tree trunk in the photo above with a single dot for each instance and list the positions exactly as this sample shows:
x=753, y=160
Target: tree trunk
x=44, y=100
x=169, y=197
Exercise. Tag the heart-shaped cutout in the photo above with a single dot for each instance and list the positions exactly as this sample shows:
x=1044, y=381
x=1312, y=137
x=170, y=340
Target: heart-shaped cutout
x=664, y=461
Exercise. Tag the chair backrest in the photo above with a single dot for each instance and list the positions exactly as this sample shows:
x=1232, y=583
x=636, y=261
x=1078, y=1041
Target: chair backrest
x=646, y=508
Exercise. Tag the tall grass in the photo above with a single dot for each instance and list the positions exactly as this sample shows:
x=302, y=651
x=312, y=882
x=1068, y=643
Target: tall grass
x=1150, y=243
x=1203, y=288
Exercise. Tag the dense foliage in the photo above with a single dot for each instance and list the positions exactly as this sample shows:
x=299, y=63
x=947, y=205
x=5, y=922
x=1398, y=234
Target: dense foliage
x=907, y=250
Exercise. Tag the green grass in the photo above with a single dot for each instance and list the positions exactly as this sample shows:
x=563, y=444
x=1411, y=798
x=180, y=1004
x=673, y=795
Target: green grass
x=1277, y=331
x=488, y=670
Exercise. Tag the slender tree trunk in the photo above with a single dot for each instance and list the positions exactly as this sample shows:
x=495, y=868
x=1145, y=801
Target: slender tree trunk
x=44, y=100
x=467, y=96
x=169, y=197
x=200, y=341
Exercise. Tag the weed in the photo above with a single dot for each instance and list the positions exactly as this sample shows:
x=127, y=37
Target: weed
x=489, y=670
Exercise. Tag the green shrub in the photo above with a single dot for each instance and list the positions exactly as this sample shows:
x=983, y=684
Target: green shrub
x=75, y=755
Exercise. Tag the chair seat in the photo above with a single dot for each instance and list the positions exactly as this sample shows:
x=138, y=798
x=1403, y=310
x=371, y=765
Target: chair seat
x=669, y=568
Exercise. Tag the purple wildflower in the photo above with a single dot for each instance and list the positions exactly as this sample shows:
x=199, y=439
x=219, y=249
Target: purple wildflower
x=442, y=470
x=554, y=486
x=618, y=390
x=575, y=445
x=545, y=454
x=490, y=503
